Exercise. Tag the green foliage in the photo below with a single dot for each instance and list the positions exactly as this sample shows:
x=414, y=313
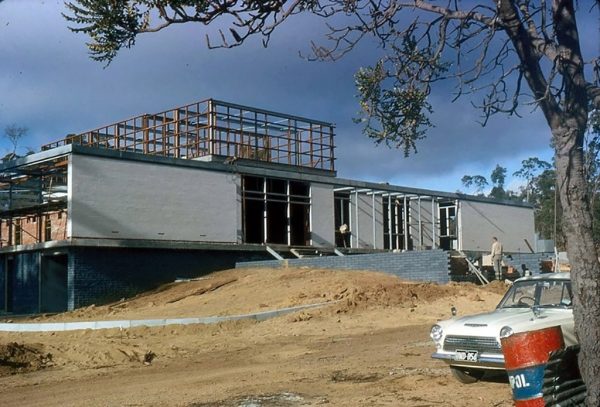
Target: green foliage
x=110, y=24
x=530, y=169
x=395, y=116
x=393, y=93
x=477, y=181
x=115, y=24
x=498, y=176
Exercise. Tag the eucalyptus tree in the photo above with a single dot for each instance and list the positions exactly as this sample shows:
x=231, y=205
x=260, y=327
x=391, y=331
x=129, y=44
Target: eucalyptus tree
x=479, y=182
x=507, y=56
x=530, y=169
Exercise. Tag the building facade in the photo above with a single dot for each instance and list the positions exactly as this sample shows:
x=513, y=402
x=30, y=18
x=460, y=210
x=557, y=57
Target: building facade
x=105, y=214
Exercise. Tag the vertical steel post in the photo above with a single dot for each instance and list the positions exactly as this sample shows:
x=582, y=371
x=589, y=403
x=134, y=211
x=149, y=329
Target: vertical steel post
x=356, y=218
x=265, y=234
x=211, y=127
x=176, y=134
x=10, y=219
x=145, y=133
x=288, y=212
x=373, y=219
x=420, y=224
x=458, y=226
x=433, y=245
x=405, y=219
x=390, y=222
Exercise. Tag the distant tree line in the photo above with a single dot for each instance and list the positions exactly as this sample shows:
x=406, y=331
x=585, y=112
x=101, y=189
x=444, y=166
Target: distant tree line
x=540, y=188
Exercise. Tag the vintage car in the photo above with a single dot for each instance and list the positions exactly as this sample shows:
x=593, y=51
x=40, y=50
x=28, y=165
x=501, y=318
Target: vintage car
x=471, y=344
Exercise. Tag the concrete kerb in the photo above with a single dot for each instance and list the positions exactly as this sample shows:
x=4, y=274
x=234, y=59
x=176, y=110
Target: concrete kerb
x=124, y=324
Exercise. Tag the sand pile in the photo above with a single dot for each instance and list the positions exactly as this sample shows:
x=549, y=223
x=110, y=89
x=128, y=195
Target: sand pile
x=370, y=342
x=243, y=291
x=20, y=358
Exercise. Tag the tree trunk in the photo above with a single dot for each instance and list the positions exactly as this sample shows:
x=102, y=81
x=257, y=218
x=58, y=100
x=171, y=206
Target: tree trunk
x=585, y=267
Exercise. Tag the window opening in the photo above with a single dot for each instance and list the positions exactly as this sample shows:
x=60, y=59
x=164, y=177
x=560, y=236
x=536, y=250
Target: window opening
x=277, y=224
x=48, y=229
x=276, y=211
x=394, y=225
x=253, y=209
x=299, y=198
x=448, y=225
x=18, y=232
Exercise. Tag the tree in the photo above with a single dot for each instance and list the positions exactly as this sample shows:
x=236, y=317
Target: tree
x=498, y=177
x=531, y=167
x=503, y=55
x=477, y=181
x=14, y=134
x=548, y=219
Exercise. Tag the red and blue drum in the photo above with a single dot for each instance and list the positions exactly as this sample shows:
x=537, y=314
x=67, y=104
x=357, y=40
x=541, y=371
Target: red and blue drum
x=525, y=356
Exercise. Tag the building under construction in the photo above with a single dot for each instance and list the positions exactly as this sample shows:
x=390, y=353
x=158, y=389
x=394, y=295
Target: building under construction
x=104, y=214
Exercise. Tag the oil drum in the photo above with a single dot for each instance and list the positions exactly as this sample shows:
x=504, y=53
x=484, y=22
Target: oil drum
x=525, y=356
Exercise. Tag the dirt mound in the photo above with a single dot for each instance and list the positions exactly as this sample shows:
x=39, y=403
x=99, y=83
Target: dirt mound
x=370, y=346
x=19, y=358
x=498, y=287
x=243, y=291
x=393, y=293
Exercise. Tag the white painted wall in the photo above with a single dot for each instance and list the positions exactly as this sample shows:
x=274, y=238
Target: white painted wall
x=510, y=224
x=323, y=229
x=119, y=199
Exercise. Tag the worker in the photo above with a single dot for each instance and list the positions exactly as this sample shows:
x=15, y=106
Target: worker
x=497, y=257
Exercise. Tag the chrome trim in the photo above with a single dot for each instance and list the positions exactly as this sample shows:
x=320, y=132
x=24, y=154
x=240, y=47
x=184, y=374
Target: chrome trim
x=481, y=344
x=489, y=360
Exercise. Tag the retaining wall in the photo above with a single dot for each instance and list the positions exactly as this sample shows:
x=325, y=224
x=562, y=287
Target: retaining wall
x=426, y=265
x=100, y=275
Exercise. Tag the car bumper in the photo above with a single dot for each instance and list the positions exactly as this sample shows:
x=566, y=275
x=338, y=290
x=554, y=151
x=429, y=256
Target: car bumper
x=486, y=361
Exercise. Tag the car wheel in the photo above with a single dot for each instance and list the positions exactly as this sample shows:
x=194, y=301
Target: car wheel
x=465, y=375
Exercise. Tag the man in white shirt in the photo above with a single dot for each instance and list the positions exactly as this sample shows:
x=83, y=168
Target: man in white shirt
x=497, y=257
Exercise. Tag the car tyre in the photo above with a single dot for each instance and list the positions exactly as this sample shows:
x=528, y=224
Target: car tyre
x=467, y=376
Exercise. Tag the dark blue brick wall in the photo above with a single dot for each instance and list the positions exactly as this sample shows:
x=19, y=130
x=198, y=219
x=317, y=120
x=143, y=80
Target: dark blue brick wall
x=427, y=265
x=24, y=283
x=100, y=275
x=2, y=284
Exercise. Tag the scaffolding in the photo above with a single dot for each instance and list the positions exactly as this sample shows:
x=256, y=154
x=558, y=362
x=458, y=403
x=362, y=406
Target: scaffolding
x=216, y=128
x=33, y=202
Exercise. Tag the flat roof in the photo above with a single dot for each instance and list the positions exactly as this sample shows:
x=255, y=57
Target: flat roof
x=256, y=168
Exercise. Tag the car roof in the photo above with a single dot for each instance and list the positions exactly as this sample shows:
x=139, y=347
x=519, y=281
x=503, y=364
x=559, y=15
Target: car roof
x=564, y=275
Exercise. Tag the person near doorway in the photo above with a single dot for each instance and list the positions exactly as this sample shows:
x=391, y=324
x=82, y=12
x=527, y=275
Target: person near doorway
x=497, y=257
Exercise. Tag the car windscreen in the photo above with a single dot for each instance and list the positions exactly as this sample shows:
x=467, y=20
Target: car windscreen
x=541, y=293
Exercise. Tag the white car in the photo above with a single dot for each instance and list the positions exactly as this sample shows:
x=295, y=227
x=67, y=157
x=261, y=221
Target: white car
x=471, y=344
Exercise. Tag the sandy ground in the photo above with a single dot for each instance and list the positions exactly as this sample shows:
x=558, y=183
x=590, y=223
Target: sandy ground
x=370, y=347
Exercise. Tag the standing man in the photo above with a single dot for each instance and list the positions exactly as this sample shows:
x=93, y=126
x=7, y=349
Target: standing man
x=497, y=257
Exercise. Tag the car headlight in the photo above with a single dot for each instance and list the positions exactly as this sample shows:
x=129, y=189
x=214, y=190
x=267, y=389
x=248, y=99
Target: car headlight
x=436, y=333
x=506, y=331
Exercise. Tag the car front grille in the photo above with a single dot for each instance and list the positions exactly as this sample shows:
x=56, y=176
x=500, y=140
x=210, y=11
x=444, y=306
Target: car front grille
x=480, y=344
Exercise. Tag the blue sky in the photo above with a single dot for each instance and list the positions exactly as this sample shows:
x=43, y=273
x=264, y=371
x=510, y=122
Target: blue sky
x=49, y=85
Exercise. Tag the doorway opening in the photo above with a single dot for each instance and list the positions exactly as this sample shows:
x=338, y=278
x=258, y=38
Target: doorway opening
x=53, y=283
